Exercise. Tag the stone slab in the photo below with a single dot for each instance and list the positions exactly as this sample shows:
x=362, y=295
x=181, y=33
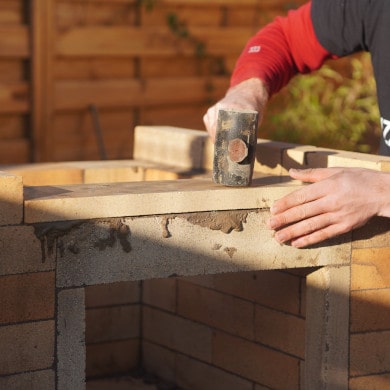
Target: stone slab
x=60, y=203
x=307, y=156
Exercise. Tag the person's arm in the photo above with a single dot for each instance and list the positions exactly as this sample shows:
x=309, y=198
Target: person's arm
x=340, y=200
x=280, y=50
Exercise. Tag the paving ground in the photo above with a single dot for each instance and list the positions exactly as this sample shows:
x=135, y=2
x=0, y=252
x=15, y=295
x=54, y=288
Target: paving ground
x=129, y=383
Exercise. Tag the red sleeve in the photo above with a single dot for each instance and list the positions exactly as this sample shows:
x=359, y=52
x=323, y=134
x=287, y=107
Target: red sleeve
x=280, y=50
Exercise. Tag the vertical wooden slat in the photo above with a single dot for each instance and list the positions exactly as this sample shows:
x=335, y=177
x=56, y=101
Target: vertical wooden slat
x=42, y=33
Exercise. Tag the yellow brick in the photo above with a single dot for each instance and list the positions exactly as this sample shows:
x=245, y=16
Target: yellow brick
x=369, y=353
x=192, y=374
x=354, y=159
x=39, y=380
x=160, y=293
x=112, y=323
x=221, y=311
x=11, y=199
x=273, y=289
x=255, y=362
x=26, y=347
x=159, y=361
x=280, y=331
x=27, y=297
x=116, y=357
x=169, y=145
x=374, y=234
x=269, y=156
x=160, y=174
x=370, y=310
x=370, y=268
x=112, y=294
x=45, y=174
x=113, y=174
x=177, y=333
x=208, y=155
x=296, y=157
x=372, y=382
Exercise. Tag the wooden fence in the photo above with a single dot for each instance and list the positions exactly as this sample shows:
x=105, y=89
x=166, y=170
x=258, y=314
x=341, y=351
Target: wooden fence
x=71, y=70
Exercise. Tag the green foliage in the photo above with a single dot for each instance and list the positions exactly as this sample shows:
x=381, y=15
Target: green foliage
x=180, y=29
x=330, y=110
x=148, y=4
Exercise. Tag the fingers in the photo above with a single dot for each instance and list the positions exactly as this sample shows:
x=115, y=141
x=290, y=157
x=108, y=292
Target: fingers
x=298, y=198
x=316, y=237
x=315, y=227
x=335, y=203
x=292, y=215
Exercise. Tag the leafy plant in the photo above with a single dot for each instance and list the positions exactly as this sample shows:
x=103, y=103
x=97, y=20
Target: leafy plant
x=331, y=110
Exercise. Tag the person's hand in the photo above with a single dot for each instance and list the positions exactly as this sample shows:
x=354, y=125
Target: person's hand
x=250, y=94
x=340, y=200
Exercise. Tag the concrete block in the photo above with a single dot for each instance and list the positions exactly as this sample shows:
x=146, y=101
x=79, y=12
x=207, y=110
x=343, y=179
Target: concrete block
x=112, y=358
x=167, y=145
x=215, y=309
x=11, y=199
x=21, y=251
x=255, y=362
x=27, y=297
x=37, y=380
x=192, y=374
x=106, y=251
x=327, y=314
x=177, y=334
x=70, y=349
x=26, y=347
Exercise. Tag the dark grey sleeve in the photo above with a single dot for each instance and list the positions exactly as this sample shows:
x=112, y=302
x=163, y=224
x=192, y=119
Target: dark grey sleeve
x=347, y=26
x=339, y=25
